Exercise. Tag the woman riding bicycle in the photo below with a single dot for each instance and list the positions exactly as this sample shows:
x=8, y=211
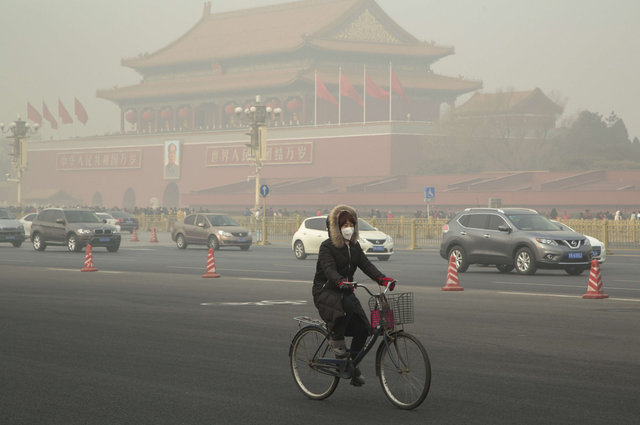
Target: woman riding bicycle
x=338, y=259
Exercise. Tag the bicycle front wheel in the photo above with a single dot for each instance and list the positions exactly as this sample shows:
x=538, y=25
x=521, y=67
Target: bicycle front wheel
x=310, y=344
x=404, y=370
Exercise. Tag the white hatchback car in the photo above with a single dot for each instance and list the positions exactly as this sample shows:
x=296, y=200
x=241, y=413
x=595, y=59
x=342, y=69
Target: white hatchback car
x=599, y=251
x=313, y=231
x=26, y=222
x=109, y=219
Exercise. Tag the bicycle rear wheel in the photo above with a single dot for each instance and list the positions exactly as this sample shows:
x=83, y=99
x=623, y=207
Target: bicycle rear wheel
x=309, y=344
x=404, y=370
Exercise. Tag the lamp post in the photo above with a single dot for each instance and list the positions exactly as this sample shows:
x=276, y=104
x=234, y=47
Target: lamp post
x=19, y=130
x=256, y=117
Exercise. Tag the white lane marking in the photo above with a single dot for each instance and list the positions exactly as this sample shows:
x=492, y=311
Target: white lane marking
x=571, y=286
x=274, y=280
x=77, y=270
x=15, y=261
x=230, y=270
x=533, y=294
x=259, y=303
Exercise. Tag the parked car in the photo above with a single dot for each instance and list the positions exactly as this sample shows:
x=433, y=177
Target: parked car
x=511, y=238
x=126, y=221
x=213, y=230
x=11, y=230
x=109, y=219
x=74, y=228
x=599, y=251
x=26, y=223
x=313, y=231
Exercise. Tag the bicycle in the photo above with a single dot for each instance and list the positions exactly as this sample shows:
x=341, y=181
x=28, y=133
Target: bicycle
x=402, y=363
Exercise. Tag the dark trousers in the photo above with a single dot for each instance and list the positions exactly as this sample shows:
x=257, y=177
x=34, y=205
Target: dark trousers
x=351, y=325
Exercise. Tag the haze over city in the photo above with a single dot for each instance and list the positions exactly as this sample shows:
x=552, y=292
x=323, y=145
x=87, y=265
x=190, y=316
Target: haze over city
x=584, y=53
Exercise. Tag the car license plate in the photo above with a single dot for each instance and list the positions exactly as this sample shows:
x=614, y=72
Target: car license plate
x=378, y=249
x=575, y=255
x=104, y=239
x=241, y=240
x=10, y=237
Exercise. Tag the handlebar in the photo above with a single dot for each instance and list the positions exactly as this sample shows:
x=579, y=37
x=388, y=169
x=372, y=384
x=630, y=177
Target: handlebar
x=360, y=285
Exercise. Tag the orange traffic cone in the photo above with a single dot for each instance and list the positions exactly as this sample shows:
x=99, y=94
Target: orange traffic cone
x=154, y=236
x=211, y=266
x=594, y=287
x=134, y=235
x=453, y=283
x=88, y=261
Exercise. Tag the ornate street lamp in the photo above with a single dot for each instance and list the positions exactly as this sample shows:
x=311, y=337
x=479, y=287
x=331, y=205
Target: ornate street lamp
x=256, y=117
x=19, y=130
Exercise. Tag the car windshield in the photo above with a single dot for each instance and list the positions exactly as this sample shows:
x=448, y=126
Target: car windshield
x=532, y=222
x=221, y=220
x=82, y=217
x=6, y=214
x=363, y=225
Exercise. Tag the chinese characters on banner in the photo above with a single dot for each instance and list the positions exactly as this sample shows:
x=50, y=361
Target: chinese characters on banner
x=277, y=154
x=99, y=160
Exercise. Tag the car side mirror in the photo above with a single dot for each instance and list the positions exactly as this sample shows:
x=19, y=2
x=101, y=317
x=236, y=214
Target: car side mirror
x=104, y=220
x=504, y=228
x=201, y=225
x=60, y=220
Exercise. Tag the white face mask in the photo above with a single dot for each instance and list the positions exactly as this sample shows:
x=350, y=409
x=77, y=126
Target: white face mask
x=347, y=232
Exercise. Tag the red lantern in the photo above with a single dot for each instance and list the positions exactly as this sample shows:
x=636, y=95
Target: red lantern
x=184, y=112
x=147, y=115
x=293, y=105
x=165, y=113
x=131, y=116
x=273, y=104
x=230, y=109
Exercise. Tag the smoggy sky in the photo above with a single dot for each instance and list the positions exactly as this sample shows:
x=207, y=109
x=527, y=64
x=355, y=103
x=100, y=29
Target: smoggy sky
x=585, y=52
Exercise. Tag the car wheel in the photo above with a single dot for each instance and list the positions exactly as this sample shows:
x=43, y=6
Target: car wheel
x=525, y=261
x=504, y=268
x=72, y=243
x=38, y=244
x=461, y=258
x=181, y=242
x=298, y=250
x=17, y=244
x=574, y=271
x=113, y=248
x=213, y=242
x=384, y=258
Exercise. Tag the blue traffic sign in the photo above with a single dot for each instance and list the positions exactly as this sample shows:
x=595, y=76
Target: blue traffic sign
x=264, y=190
x=429, y=192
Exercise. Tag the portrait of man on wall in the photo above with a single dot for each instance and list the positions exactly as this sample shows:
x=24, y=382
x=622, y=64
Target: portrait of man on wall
x=172, y=157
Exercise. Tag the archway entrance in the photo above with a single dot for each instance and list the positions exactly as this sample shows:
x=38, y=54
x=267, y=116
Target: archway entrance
x=129, y=200
x=171, y=196
x=97, y=199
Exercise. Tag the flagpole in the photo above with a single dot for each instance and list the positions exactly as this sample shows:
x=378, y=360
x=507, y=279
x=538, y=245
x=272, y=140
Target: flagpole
x=390, y=91
x=364, y=86
x=315, y=105
x=339, y=95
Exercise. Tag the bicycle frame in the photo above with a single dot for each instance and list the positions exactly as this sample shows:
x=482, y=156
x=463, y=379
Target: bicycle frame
x=344, y=367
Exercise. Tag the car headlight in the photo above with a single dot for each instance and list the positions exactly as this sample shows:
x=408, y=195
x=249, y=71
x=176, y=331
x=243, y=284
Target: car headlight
x=362, y=241
x=545, y=241
x=84, y=231
x=225, y=234
x=587, y=242
x=389, y=239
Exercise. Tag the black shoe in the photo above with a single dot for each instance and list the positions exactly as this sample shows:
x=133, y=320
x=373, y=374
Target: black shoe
x=357, y=380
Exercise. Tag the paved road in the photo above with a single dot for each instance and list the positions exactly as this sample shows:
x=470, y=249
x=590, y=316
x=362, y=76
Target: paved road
x=147, y=340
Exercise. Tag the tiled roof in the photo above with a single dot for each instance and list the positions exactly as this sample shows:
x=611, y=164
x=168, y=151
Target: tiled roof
x=509, y=102
x=282, y=28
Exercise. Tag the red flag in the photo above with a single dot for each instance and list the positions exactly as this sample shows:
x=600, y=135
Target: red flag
x=323, y=93
x=49, y=117
x=396, y=86
x=347, y=89
x=33, y=114
x=63, y=114
x=374, y=91
x=81, y=113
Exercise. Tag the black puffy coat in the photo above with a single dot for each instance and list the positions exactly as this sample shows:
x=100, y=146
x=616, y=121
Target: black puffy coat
x=337, y=261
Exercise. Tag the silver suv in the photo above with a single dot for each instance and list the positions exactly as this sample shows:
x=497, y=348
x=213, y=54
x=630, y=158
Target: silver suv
x=511, y=238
